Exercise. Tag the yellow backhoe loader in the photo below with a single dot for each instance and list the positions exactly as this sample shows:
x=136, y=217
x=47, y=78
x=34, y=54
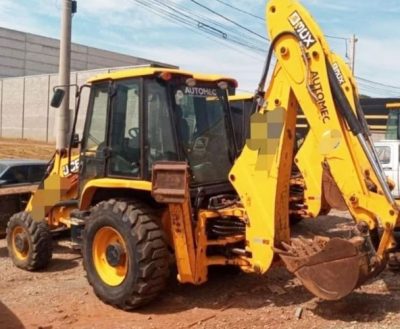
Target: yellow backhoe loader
x=157, y=153
x=241, y=106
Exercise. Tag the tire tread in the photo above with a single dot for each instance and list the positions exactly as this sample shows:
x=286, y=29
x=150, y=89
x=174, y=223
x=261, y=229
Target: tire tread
x=151, y=247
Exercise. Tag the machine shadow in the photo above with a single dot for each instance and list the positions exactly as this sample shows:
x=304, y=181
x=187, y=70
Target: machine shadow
x=59, y=265
x=8, y=319
x=60, y=262
x=226, y=289
x=3, y=252
x=358, y=306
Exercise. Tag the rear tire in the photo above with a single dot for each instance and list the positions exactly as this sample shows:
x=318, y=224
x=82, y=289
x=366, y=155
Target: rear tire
x=29, y=242
x=124, y=253
x=295, y=219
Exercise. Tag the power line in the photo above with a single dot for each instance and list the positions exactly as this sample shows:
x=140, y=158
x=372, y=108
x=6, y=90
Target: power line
x=192, y=25
x=178, y=15
x=263, y=19
x=378, y=83
x=234, y=22
x=377, y=87
x=244, y=39
x=230, y=20
x=335, y=37
x=232, y=37
x=368, y=89
x=241, y=10
x=255, y=16
x=195, y=15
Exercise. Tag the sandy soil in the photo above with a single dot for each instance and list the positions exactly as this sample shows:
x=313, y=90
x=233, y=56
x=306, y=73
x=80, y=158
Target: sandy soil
x=60, y=297
x=25, y=149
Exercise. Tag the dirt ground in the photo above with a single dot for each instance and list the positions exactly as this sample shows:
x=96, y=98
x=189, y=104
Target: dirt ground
x=25, y=149
x=60, y=297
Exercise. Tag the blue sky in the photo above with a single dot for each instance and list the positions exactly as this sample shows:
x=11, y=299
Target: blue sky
x=128, y=27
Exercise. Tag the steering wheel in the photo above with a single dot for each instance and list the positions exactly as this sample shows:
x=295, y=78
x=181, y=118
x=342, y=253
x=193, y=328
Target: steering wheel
x=122, y=165
x=119, y=162
x=133, y=132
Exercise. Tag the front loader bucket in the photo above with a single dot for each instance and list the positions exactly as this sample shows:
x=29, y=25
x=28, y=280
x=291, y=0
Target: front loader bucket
x=328, y=268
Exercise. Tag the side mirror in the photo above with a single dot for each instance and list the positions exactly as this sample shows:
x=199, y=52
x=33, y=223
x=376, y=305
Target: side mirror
x=3, y=182
x=75, y=141
x=58, y=96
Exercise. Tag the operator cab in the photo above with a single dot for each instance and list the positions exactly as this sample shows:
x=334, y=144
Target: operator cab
x=141, y=116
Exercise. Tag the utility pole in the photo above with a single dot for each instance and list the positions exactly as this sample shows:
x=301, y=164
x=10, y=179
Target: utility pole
x=353, y=41
x=64, y=74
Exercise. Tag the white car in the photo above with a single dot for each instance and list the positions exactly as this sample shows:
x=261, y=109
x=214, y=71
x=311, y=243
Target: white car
x=389, y=157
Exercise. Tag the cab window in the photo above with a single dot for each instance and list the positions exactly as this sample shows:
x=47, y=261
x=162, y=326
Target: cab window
x=202, y=131
x=160, y=137
x=124, y=130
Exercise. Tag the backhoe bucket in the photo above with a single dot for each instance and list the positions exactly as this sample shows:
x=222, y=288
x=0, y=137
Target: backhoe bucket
x=328, y=268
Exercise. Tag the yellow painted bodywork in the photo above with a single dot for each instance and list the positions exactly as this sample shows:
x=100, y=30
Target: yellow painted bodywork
x=300, y=76
x=109, y=183
x=60, y=185
x=190, y=246
x=21, y=255
x=111, y=275
x=151, y=71
x=261, y=173
x=241, y=97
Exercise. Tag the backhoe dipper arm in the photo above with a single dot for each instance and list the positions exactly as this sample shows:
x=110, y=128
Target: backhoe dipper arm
x=309, y=75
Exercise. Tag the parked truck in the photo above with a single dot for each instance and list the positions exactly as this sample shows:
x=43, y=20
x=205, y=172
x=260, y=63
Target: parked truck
x=388, y=149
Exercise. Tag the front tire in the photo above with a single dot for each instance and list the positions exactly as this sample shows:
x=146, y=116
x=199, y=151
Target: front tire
x=124, y=253
x=29, y=242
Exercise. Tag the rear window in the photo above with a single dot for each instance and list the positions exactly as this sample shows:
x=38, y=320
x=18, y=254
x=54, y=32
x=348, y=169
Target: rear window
x=383, y=154
x=16, y=175
x=3, y=167
x=29, y=173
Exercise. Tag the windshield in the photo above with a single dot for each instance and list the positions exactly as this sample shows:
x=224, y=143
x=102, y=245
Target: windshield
x=202, y=131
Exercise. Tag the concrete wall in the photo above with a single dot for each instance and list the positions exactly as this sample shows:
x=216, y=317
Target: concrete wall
x=28, y=73
x=25, y=110
x=23, y=54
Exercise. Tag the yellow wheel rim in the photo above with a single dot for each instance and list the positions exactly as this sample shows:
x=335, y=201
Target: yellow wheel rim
x=111, y=273
x=18, y=233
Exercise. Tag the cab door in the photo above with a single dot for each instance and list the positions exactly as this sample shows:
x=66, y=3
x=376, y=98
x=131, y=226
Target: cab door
x=125, y=133
x=94, y=140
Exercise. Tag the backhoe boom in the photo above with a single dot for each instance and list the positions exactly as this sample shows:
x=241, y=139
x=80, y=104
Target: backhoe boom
x=337, y=149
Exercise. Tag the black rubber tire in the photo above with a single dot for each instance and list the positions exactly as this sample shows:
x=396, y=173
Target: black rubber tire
x=295, y=219
x=39, y=240
x=147, y=253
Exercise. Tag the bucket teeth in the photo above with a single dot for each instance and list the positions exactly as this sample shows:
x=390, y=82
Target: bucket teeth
x=289, y=248
x=302, y=247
